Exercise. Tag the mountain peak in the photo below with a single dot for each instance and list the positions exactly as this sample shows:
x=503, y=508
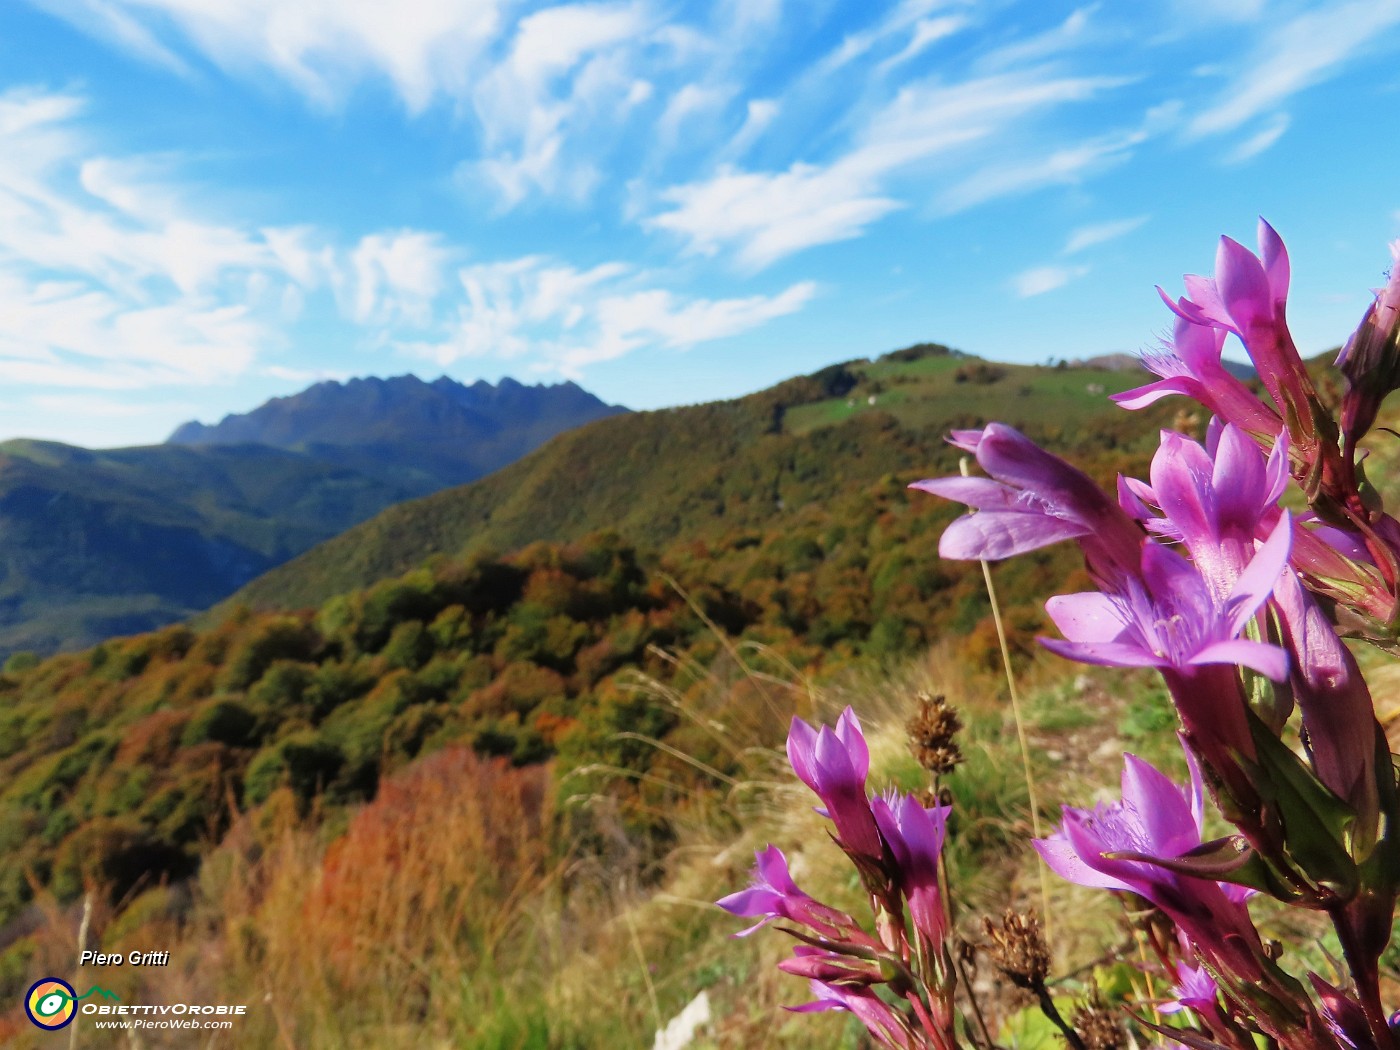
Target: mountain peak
x=389, y=425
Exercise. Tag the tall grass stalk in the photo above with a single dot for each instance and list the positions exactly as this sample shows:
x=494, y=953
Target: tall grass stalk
x=1011, y=689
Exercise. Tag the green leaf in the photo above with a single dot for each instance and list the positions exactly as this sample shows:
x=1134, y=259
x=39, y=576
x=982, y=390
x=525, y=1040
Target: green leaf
x=1315, y=821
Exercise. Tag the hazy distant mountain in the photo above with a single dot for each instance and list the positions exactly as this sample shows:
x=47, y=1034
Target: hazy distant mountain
x=114, y=541
x=408, y=432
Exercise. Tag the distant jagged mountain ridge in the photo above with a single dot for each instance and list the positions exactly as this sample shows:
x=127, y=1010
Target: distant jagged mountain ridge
x=402, y=429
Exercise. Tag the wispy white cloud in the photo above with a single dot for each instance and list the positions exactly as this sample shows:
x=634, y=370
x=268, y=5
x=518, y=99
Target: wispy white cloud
x=766, y=216
x=111, y=278
x=565, y=319
x=1295, y=54
x=1042, y=279
x=1061, y=166
x=397, y=276
x=1056, y=164
x=424, y=48
x=1102, y=232
x=567, y=70
x=927, y=32
x=759, y=114
x=114, y=23
x=900, y=23
x=1074, y=31
x=1260, y=141
x=689, y=105
x=104, y=280
x=1192, y=13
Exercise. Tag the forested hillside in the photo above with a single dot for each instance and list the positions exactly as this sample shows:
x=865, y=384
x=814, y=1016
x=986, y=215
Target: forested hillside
x=701, y=472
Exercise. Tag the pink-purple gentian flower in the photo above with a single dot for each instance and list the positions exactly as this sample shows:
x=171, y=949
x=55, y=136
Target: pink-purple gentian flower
x=834, y=764
x=881, y=1019
x=915, y=838
x=1248, y=297
x=1190, y=364
x=1370, y=360
x=1195, y=989
x=774, y=895
x=1031, y=500
x=1170, y=618
x=1113, y=847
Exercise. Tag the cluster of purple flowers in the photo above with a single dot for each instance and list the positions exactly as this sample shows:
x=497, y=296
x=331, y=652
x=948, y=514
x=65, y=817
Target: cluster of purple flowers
x=1202, y=575
x=1240, y=605
x=895, y=844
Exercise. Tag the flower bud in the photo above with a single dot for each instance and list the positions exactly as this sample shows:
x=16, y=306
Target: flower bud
x=1371, y=358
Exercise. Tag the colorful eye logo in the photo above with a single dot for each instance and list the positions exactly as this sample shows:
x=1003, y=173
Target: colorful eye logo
x=50, y=1003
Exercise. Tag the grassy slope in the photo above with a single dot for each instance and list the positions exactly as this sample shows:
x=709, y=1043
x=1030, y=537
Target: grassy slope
x=701, y=471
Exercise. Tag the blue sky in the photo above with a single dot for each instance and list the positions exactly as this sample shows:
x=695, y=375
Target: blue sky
x=206, y=203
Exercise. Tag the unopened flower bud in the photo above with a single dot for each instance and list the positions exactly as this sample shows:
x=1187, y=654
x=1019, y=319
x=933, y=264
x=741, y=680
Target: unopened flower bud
x=1371, y=358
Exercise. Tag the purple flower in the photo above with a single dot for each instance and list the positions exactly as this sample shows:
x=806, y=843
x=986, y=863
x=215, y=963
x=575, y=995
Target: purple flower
x=1215, y=500
x=1371, y=358
x=1195, y=989
x=1190, y=364
x=834, y=764
x=1170, y=618
x=1339, y=722
x=881, y=1020
x=1248, y=297
x=773, y=895
x=834, y=968
x=1220, y=499
x=1031, y=499
x=915, y=838
x=1108, y=847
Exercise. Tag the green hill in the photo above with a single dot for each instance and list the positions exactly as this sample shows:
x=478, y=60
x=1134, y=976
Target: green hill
x=777, y=525
x=782, y=520
x=97, y=543
x=703, y=471
x=101, y=543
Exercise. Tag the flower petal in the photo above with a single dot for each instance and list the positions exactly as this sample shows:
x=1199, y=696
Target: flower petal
x=1142, y=396
x=994, y=534
x=1275, y=257
x=1268, y=660
x=1257, y=581
x=1060, y=857
x=982, y=493
x=1162, y=808
x=1086, y=617
x=801, y=751
x=1104, y=654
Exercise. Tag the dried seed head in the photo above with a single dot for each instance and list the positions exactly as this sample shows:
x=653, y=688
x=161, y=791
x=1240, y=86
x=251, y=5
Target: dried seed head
x=1096, y=1024
x=932, y=731
x=1018, y=948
